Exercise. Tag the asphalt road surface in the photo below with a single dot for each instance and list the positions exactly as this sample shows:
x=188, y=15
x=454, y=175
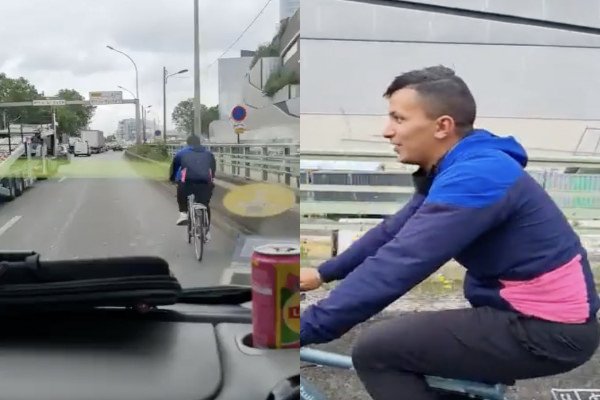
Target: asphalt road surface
x=105, y=205
x=344, y=385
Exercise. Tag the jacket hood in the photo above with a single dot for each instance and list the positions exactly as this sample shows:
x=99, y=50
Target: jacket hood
x=480, y=140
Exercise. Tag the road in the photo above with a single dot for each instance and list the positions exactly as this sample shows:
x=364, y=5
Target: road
x=285, y=225
x=104, y=206
x=344, y=385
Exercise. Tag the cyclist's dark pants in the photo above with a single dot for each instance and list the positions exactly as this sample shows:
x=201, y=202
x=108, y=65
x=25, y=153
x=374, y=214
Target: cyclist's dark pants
x=201, y=191
x=480, y=344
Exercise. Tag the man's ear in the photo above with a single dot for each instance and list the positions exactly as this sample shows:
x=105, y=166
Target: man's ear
x=445, y=126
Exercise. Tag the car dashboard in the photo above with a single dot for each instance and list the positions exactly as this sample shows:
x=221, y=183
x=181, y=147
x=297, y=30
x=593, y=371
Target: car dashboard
x=181, y=352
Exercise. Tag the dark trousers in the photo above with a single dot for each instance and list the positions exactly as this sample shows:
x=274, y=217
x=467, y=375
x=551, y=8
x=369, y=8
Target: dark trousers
x=480, y=344
x=201, y=191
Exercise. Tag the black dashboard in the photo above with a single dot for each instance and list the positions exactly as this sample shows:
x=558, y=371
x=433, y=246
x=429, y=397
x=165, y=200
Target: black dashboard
x=181, y=352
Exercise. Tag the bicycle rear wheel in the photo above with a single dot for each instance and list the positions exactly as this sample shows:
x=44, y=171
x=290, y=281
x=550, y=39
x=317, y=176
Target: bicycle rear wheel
x=309, y=392
x=199, y=234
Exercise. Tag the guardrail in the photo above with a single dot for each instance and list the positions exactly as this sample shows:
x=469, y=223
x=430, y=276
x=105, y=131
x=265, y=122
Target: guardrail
x=262, y=162
x=356, y=193
x=541, y=161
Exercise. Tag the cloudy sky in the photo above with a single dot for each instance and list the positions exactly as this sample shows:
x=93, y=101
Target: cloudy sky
x=62, y=44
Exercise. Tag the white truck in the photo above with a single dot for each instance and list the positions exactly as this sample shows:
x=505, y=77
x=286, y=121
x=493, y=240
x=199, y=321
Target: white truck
x=27, y=154
x=95, y=140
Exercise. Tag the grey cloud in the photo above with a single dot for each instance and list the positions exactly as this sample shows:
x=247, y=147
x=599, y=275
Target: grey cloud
x=171, y=30
x=79, y=64
x=61, y=43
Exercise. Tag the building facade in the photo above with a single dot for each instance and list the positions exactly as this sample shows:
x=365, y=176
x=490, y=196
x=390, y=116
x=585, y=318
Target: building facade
x=531, y=65
x=273, y=109
x=126, y=129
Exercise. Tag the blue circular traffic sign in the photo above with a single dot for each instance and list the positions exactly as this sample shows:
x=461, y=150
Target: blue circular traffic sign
x=238, y=113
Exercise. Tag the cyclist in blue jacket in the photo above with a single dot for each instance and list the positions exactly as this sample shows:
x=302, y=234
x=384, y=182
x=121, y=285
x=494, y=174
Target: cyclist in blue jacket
x=528, y=278
x=193, y=169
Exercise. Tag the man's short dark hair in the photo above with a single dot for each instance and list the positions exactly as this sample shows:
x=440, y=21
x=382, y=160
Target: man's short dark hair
x=443, y=93
x=193, y=140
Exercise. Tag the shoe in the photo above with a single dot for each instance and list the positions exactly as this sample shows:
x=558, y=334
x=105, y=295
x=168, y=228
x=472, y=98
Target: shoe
x=183, y=219
x=208, y=236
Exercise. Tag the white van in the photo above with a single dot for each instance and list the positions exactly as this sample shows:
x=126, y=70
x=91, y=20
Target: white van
x=81, y=149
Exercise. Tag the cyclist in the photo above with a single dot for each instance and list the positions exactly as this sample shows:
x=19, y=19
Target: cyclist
x=193, y=169
x=528, y=278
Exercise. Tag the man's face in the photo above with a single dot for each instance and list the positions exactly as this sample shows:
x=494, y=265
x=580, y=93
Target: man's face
x=415, y=136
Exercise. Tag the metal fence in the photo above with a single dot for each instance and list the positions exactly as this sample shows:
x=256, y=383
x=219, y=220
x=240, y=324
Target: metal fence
x=383, y=193
x=273, y=162
x=572, y=191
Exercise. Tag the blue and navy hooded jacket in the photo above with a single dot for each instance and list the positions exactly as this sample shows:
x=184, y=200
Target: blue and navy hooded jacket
x=481, y=208
x=196, y=163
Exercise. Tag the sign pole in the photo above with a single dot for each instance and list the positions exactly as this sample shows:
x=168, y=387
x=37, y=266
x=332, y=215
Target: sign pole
x=238, y=115
x=197, y=103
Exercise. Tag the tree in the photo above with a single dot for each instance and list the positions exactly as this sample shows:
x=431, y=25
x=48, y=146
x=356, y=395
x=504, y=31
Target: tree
x=271, y=49
x=209, y=115
x=72, y=118
x=183, y=115
x=265, y=50
x=21, y=90
x=279, y=79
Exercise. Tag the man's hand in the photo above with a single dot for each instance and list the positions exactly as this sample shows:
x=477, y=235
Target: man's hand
x=309, y=279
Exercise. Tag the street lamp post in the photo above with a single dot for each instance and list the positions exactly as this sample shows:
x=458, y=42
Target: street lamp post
x=127, y=90
x=165, y=105
x=144, y=116
x=197, y=104
x=137, y=93
x=148, y=111
x=165, y=77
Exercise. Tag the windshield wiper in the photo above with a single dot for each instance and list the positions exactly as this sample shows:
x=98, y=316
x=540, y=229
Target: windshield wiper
x=216, y=295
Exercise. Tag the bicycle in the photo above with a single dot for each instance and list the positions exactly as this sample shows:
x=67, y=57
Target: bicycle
x=474, y=390
x=197, y=225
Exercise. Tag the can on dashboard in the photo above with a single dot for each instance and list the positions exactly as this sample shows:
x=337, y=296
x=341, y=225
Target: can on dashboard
x=276, y=296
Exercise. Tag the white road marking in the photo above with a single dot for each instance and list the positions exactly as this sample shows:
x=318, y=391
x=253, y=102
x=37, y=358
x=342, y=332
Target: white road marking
x=62, y=179
x=9, y=224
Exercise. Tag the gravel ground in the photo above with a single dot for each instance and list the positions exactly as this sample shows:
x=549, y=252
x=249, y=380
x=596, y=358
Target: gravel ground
x=343, y=385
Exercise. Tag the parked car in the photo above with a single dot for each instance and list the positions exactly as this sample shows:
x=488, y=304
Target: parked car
x=82, y=149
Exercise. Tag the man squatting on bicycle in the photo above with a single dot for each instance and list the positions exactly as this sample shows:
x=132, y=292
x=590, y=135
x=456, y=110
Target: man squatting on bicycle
x=528, y=277
x=193, y=169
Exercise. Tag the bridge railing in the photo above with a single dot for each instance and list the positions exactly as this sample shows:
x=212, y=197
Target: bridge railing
x=263, y=162
x=356, y=193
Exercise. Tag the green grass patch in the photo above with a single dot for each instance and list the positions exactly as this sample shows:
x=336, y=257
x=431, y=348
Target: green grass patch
x=158, y=152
